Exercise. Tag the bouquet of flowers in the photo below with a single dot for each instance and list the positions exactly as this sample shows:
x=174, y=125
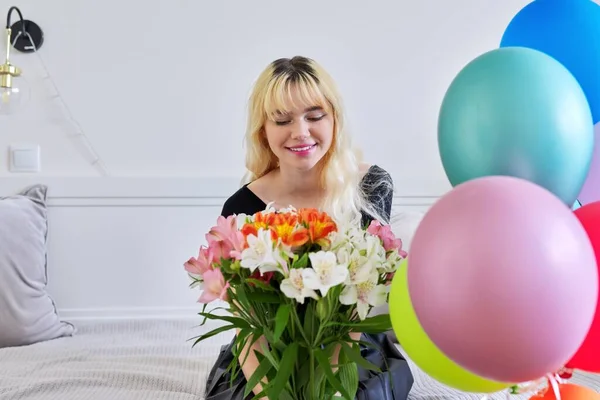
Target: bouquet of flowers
x=302, y=283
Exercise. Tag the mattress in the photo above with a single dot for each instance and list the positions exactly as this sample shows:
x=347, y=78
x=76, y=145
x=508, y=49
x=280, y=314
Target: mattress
x=146, y=359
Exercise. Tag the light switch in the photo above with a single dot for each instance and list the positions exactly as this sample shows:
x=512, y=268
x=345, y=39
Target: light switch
x=24, y=158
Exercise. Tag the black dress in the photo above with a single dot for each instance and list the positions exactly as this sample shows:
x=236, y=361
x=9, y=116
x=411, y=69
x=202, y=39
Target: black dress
x=394, y=382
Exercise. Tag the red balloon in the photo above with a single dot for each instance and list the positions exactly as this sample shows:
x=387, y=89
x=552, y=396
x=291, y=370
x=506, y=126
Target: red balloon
x=587, y=357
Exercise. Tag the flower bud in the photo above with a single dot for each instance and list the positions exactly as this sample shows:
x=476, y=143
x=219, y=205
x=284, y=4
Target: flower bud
x=322, y=308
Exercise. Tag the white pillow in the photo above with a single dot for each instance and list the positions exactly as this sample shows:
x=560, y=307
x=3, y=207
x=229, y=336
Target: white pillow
x=404, y=225
x=27, y=313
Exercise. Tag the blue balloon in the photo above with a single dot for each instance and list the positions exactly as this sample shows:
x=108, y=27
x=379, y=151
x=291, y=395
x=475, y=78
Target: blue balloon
x=569, y=31
x=576, y=205
x=517, y=112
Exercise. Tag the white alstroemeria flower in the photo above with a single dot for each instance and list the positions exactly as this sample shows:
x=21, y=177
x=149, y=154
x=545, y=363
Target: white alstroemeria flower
x=365, y=294
x=241, y=220
x=392, y=262
x=373, y=247
x=325, y=272
x=288, y=210
x=293, y=287
x=359, y=266
x=337, y=239
x=261, y=253
x=269, y=208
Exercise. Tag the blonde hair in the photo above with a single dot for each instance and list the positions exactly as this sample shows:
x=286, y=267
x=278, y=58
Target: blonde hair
x=340, y=173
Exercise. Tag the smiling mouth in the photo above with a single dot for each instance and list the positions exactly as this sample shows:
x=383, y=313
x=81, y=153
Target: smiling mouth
x=302, y=149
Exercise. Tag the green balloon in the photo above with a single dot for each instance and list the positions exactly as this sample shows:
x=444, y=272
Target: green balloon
x=421, y=350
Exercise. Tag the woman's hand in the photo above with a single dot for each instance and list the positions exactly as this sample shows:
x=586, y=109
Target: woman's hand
x=250, y=363
x=336, y=351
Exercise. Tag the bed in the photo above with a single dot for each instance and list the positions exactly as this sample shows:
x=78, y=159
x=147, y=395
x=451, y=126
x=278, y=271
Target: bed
x=106, y=295
x=141, y=360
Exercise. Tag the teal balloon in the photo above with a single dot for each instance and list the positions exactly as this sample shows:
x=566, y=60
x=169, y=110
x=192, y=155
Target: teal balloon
x=517, y=112
x=576, y=205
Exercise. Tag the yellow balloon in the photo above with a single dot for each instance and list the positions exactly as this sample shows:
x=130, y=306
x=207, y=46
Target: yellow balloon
x=422, y=350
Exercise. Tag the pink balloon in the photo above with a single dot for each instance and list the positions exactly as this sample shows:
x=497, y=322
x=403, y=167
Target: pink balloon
x=503, y=278
x=591, y=188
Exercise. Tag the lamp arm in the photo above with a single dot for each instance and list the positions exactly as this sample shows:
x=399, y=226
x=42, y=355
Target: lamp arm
x=8, y=19
x=9, y=31
x=10, y=11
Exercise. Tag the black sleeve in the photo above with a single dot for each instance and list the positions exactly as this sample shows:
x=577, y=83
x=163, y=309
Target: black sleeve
x=387, y=198
x=228, y=207
x=242, y=202
x=380, y=188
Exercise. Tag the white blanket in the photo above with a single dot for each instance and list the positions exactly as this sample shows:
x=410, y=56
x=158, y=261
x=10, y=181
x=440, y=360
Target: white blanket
x=145, y=360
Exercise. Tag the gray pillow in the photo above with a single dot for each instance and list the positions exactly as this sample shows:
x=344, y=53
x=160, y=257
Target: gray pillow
x=27, y=313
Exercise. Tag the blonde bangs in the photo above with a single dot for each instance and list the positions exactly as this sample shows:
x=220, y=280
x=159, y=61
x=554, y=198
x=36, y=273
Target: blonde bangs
x=285, y=93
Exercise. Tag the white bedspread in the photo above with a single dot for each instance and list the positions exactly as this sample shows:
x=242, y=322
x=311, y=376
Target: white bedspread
x=145, y=360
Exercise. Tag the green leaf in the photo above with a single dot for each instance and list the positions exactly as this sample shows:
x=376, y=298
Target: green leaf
x=213, y=333
x=308, y=325
x=323, y=361
x=242, y=299
x=377, y=324
x=303, y=370
x=353, y=354
x=261, y=284
x=237, y=321
x=285, y=395
x=269, y=355
x=268, y=298
x=281, y=320
x=302, y=262
x=261, y=371
x=286, y=367
x=348, y=374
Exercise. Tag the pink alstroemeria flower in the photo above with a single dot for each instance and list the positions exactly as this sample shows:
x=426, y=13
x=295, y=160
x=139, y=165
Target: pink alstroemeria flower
x=384, y=232
x=199, y=266
x=215, y=287
x=238, y=244
x=224, y=228
x=389, y=277
x=224, y=239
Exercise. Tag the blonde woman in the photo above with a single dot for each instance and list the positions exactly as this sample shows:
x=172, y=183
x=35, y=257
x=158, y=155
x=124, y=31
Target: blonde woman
x=299, y=154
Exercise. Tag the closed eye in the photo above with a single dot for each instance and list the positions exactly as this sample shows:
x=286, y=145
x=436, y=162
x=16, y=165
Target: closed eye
x=316, y=118
x=312, y=118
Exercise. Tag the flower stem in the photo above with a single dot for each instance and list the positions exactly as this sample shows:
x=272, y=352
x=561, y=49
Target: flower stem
x=300, y=329
x=312, y=374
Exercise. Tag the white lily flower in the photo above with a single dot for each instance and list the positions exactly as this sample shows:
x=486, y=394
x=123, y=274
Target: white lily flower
x=293, y=287
x=364, y=295
x=325, y=272
x=261, y=253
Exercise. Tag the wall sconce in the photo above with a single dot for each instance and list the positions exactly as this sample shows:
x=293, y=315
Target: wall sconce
x=27, y=37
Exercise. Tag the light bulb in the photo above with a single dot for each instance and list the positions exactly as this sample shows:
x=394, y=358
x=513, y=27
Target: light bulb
x=13, y=99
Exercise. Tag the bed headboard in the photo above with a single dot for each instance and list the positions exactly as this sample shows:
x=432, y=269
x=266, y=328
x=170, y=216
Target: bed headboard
x=116, y=246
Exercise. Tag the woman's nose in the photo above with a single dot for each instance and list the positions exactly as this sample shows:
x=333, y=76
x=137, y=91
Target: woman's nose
x=300, y=130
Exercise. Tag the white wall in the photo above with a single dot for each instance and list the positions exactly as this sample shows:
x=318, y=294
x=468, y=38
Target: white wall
x=116, y=246
x=160, y=87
